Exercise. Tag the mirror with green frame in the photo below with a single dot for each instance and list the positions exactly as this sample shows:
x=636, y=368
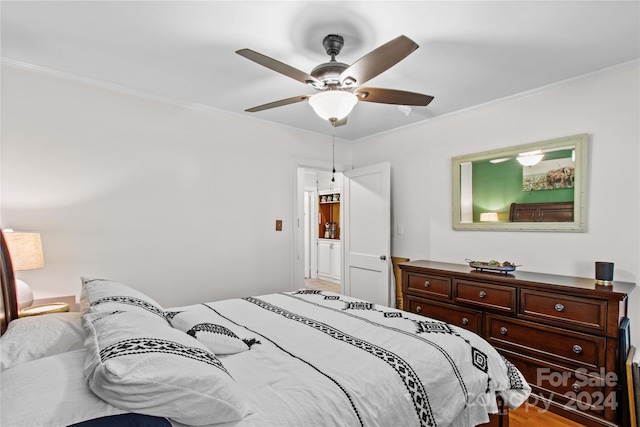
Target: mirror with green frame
x=533, y=187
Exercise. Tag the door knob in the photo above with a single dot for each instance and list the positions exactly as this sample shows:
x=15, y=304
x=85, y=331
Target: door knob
x=383, y=257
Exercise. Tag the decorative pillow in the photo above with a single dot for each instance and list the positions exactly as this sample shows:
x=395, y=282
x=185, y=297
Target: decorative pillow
x=211, y=329
x=51, y=391
x=107, y=295
x=151, y=368
x=35, y=337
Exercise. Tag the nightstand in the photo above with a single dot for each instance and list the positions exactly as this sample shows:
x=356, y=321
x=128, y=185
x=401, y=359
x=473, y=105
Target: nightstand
x=50, y=305
x=35, y=310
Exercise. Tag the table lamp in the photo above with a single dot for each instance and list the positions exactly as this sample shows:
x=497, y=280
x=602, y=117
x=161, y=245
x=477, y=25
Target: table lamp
x=489, y=216
x=26, y=254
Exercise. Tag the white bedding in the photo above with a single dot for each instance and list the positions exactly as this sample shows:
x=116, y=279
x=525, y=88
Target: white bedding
x=330, y=360
x=323, y=359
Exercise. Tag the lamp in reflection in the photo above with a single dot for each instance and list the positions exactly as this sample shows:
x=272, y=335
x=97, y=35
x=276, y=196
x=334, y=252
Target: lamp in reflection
x=489, y=217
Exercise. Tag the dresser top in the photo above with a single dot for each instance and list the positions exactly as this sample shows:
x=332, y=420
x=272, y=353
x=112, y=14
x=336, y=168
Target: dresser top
x=579, y=284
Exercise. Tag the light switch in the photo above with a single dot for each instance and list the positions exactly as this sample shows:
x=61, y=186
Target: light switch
x=278, y=225
x=399, y=229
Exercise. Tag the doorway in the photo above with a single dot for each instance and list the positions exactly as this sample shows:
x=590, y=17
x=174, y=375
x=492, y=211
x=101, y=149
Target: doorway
x=365, y=261
x=314, y=250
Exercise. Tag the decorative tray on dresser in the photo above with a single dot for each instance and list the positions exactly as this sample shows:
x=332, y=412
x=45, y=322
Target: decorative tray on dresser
x=562, y=332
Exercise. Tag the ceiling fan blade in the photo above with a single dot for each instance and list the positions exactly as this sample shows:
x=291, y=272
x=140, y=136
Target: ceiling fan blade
x=392, y=96
x=280, y=67
x=279, y=103
x=377, y=61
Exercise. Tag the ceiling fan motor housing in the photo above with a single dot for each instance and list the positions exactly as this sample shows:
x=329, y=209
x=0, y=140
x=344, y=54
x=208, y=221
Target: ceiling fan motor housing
x=333, y=44
x=329, y=72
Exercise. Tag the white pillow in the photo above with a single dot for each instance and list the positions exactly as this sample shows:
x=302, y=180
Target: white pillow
x=52, y=392
x=107, y=295
x=151, y=368
x=212, y=330
x=35, y=337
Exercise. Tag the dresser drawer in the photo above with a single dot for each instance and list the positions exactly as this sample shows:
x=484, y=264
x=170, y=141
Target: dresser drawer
x=429, y=285
x=585, y=312
x=468, y=319
x=502, y=298
x=580, y=390
x=545, y=342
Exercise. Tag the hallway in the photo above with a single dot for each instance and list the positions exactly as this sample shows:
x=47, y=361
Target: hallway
x=322, y=285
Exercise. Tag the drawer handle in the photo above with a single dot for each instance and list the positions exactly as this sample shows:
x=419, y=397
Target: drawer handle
x=559, y=307
x=577, y=349
x=575, y=387
x=465, y=321
x=482, y=294
x=427, y=283
x=503, y=331
x=418, y=309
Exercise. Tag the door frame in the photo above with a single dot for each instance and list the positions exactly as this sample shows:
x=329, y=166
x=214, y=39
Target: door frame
x=298, y=166
x=311, y=223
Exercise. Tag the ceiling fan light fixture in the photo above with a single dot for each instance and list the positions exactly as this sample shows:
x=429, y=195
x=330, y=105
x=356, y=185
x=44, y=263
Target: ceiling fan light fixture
x=529, y=159
x=333, y=105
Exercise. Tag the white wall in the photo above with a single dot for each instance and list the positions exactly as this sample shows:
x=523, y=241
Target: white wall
x=178, y=203
x=606, y=108
x=182, y=204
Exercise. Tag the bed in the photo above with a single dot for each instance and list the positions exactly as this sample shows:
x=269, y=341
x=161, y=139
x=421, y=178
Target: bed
x=303, y=358
x=541, y=212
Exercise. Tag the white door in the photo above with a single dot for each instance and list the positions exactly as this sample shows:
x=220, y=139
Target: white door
x=366, y=233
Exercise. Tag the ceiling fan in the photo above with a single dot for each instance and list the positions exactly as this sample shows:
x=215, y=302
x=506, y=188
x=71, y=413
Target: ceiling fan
x=338, y=85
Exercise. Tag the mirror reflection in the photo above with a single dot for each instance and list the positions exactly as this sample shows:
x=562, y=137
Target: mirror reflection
x=538, y=186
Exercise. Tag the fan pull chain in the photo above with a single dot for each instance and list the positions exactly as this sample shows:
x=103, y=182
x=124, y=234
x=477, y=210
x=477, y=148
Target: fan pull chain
x=333, y=178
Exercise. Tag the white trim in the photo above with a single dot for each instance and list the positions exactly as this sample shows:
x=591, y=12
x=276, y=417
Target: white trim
x=201, y=107
x=142, y=94
x=542, y=89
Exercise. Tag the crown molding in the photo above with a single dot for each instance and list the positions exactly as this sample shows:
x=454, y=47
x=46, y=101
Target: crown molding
x=173, y=101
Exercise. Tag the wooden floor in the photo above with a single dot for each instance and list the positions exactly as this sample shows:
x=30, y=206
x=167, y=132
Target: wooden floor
x=532, y=416
x=322, y=285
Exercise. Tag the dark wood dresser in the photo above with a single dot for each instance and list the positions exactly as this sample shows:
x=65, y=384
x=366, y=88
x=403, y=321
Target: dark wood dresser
x=561, y=332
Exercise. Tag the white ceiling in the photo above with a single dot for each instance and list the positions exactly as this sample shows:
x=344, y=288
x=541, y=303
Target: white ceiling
x=471, y=53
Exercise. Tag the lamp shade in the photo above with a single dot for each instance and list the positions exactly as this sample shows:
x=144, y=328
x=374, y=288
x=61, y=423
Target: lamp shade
x=333, y=105
x=489, y=216
x=25, y=250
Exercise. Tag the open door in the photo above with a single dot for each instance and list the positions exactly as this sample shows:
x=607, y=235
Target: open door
x=366, y=233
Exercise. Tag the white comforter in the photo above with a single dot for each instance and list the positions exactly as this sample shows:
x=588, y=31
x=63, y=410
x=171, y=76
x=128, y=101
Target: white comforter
x=323, y=359
x=329, y=360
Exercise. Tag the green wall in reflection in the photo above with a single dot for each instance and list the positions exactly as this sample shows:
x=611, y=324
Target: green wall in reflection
x=496, y=185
